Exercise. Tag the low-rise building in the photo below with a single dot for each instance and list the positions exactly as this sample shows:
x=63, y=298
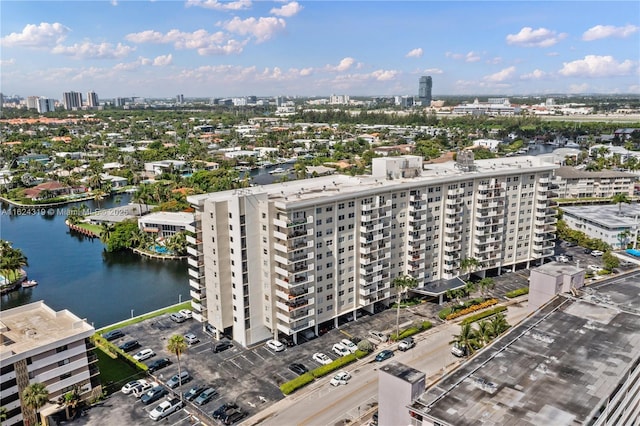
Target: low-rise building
x=616, y=225
x=574, y=183
x=551, y=279
x=40, y=345
x=164, y=166
x=165, y=224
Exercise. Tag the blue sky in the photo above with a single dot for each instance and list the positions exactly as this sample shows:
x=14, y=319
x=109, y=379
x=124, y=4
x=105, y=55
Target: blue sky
x=214, y=48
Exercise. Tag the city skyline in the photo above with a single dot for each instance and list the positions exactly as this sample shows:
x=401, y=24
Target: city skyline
x=209, y=48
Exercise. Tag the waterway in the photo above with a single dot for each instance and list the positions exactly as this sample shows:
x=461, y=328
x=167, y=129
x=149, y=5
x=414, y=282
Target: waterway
x=76, y=273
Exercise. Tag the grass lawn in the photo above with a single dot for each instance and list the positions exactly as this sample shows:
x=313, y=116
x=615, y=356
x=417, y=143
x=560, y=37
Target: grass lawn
x=171, y=309
x=89, y=227
x=114, y=373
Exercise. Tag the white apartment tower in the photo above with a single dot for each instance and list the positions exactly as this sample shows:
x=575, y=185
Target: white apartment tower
x=72, y=100
x=92, y=99
x=294, y=256
x=40, y=345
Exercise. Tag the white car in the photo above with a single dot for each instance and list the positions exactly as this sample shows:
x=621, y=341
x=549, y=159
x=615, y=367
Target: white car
x=349, y=345
x=191, y=338
x=340, y=379
x=143, y=388
x=144, y=354
x=340, y=349
x=321, y=358
x=595, y=268
x=275, y=345
x=597, y=253
x=186, y=313
x=131, y=386
x=165, y=408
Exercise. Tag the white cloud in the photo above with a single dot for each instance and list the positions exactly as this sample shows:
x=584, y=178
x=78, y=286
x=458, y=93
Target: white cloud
x=415, y=53
x=206, y=44
x=597, y=66
x=501, y=76
x=220, y=5
x=262, y=28
x=384, y=75
x=7, y=62
x=552, y=54
x=433, y=71
x=288, y=10
x=114, y=2
x=344, y=65
x=88, y=50
x=130, y=66
x=468, y=57
x=606, y=31
x=578, y=88
x=495, y=60
x=43, y=35
x=534, y=75
x=541, y=37
x=306, y=71
x=163, y=60
x=634, y=88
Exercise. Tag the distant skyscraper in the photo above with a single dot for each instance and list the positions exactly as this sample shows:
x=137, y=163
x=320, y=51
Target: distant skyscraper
x=424, y=90
x=32, y=102
x=118, y=102
x=46, y=105
x=92, y=99
x=180, y=99
x=72, y=100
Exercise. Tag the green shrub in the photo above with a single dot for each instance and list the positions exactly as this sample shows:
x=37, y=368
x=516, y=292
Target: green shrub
x=323, y=370
x=517, y=292
x=444, y=313
x=297, y=383
x=482, y=315
x=426, y=325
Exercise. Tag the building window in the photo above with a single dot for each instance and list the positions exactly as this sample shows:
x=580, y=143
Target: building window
x=65, y=376
x=61, y=349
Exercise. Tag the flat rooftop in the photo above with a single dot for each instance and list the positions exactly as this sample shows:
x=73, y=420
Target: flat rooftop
x=607, y=215
x=404, y=372
x=556, y=268
x=34, y=325
x=176, y=218
x=338, y=186
x=558, y=367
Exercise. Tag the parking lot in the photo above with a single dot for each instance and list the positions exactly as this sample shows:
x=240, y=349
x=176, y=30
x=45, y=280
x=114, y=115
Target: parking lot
x=251, y=377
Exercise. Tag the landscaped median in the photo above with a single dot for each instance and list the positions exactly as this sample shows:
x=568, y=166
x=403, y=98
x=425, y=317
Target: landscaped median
x=482, y=315
x=321, y=371
x=518, y=292
x=470, y=309
x=425, y=325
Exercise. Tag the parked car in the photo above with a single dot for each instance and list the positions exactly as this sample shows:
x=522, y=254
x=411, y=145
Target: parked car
x=144, y=387
x=587, y=251
x=595, y=268
x=298, y=368
x=406, y=344
x=191, y=339
x=177, y=317
x=176, y=380
x=233, y=417
x=340, y=378
x=222, y=346
x=186, y=313
x=385, y=354
x=340, y=350
x=349, y=345
x=158, y=364
x=130, y=345
x=144, y=354
x=194, y=392
x=275, y=345
x=562, y=259
x=206, y=396
x=131, y=386
x=458, y=350
x=153, y=395
x=113, y=335
x=321, y=358
x=380, y=337
x=597, y=253
x=165, y=408
x=224, y=410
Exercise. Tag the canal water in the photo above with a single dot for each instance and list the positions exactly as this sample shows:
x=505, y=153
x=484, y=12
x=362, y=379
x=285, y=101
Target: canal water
x=76, y=273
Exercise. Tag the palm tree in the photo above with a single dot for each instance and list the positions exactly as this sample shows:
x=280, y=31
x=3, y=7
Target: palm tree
x=177, y=346
x=106, y=230
x=484, y=332
x=402, y=285
x=466, y=339
x=486, y=284
x=619, y=199
x=35, y=396
x=3, y=414
x=498, y=324
x=469, y=265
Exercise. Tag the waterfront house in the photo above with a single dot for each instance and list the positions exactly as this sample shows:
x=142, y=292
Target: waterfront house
x=165, y=224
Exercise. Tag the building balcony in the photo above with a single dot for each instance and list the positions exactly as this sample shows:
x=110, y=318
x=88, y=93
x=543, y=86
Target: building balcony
x=190, y=228
x=371, y=228
x=455, y=192
x=196, y=273
x=452, y=238
x=451, y=256
x=195, y=263
x=192, y=251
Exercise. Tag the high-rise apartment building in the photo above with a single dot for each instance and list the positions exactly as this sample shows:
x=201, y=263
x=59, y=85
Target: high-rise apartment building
x=424, y=90
x=72, y=100
x=179, y=99
x=40, y=345
x=92, y=100
x=32, y=102
x=46, y=105
x=294, y=256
